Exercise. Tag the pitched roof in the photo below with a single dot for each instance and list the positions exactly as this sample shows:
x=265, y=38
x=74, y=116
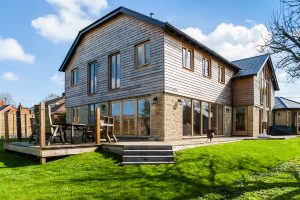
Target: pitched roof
x=163, y=25
x=284, y=103
x=251, y=67
x=3, y=107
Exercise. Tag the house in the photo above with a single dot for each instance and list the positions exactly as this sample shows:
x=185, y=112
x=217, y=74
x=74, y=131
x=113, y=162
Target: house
x=159, y=82
x=6, y=108
x=287, y=113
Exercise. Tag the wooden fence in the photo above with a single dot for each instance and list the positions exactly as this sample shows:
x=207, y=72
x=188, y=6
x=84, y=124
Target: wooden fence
x=8, y=124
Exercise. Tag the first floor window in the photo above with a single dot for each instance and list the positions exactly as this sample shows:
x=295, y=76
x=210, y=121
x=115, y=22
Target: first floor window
x=206, y=67
x=143, y=54
x=74, y=77
x=240, y=116
x=221, y=74
x=187, y=58
x=115, y=68
x=92, y=78
x=75, y=114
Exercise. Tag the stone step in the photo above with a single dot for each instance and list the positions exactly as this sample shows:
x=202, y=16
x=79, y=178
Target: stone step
x=148, y=152
x=147, y=147
x=147, y=163
x=134, y=158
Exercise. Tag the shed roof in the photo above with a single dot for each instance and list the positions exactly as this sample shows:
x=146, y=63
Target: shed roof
x=284, y=103
x=163, y=25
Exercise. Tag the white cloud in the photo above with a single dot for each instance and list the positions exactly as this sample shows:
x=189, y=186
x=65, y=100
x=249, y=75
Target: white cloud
x=10, y=49
x=58, y=79
x=72, y=16
x=232, y=42
x=10, y=76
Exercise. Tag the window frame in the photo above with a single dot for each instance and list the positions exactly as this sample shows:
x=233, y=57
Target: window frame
x=115, y=68
x=92, y=63
x=221, y=77
x=144, y=64
x=245, y=119
x=75, y=115
x=72, y=77
x=209, y=67
x=184, y=59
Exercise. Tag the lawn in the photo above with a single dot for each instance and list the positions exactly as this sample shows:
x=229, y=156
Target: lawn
x=242, y=170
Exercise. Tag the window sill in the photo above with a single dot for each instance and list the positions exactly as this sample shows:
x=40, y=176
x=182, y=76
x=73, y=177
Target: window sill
x=189, y=69
x=142, y=66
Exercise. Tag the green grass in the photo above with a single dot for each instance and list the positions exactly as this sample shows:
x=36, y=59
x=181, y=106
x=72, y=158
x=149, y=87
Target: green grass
x=243, y=170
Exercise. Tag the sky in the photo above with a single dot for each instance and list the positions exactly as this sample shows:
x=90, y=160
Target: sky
x=35, y=36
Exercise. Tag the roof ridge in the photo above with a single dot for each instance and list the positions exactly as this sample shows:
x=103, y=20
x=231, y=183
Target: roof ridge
x=290, y=100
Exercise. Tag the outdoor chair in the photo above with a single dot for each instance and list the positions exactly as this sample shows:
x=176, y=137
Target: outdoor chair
x=56, y=130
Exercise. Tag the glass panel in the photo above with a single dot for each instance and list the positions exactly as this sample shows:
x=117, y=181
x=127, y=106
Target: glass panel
x=205, y=114
x=188, y=59
x=115, y=112
x=95, y=78
x=187, y=117
x=113, y=72
x=240, y=119
x=213, y=116
x=220, y=120
x=76, y=76
x=128, y=117
x=298, y=122
x=91, y=113
x=184, y=57
x=147, y=53
x=196, y=123
x=144, y=116
x=140, y=55
x=118, y=74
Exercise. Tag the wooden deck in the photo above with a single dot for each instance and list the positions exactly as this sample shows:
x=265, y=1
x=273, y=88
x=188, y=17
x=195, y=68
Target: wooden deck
x=55, y=150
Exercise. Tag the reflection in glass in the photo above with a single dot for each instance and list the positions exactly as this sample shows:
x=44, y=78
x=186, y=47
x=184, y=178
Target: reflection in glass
x=197, y=109
x=205, y=115
x=128, y=117
x=115, y=112
x=240, y=119
x=147, y=53
x=144, y=116
x=187, y=117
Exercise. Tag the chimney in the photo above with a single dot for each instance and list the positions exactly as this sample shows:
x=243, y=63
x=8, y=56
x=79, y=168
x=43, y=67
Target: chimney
x=3, y=102
x=151, y=14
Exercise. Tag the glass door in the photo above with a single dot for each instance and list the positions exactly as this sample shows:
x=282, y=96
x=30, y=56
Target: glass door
x=144, y=116
x=128, y=117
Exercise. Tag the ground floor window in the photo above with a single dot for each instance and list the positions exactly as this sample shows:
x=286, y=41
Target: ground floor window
x=199, y=116
x=241, y=119
x=132, y=117
x=75, y=114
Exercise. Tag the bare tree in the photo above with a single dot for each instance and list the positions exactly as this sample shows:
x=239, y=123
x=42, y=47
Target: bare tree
x=51, y=96
x=284, y=40
x=7, y=98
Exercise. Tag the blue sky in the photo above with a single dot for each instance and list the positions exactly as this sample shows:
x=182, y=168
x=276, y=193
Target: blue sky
x=35, y=35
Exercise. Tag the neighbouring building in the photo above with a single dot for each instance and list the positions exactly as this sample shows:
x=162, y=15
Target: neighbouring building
x=287, y=113
x=159, y=82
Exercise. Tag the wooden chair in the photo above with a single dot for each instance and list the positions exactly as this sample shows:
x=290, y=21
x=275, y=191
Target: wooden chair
x=57, y=130
x=107, y=126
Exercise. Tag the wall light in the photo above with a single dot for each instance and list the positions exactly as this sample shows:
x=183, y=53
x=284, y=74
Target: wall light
x=154, y=100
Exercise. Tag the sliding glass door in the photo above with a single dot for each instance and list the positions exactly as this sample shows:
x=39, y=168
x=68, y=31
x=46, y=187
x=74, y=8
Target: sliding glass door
x=144, y=116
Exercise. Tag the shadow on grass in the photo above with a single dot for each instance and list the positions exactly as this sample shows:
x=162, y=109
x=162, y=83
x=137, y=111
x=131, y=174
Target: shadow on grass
x=201, y=176
x=13, y=160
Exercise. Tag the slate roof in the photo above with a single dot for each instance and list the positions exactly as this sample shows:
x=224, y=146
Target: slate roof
x=284, y=103
x=251, y=66
x=163, y=25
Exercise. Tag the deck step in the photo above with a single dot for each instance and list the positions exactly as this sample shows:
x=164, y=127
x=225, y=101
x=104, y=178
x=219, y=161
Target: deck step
x=147, y=147
x=131, y=158
x=148, y=152
x=146, y=163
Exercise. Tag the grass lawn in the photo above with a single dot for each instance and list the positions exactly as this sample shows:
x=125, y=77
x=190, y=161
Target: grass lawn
x=242, y=170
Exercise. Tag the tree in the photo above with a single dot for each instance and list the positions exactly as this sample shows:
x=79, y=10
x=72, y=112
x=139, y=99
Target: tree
x=284, y=40
x=7, y=98
x=50, y=96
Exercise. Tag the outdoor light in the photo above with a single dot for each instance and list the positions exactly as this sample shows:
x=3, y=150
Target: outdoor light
x=154, y=100
x=179, y=101
x=103, y=107
x=227, y=110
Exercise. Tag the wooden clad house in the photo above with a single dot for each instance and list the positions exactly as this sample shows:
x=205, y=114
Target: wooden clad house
x=157, y=81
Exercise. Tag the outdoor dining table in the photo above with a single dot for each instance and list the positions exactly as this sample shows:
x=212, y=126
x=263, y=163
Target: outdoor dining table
x=74, y=126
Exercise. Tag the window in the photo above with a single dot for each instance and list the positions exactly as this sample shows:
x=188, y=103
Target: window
x=205, y=116
x=128, y=117
x=187, y=117
x=240, y=116
x=221, y=74
x=75, y=114
x=74, y=77
x=187, y=58
x=265, y=87
x=206, y=67
x=143, y=54
x=116, y=113
x=91, y=113
x=144, y=116
x=92, y=78
x=115, y=68
x=197, y=117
